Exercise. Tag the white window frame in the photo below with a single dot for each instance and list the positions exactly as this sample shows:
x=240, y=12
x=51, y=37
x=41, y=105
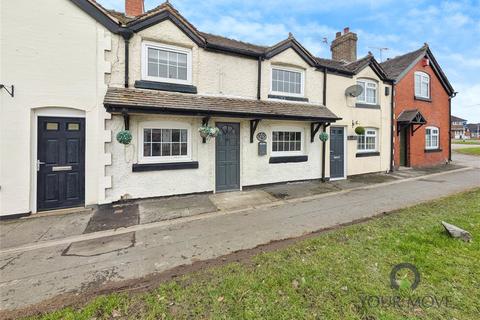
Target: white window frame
x=431, y=134
x=287, y=94
x=424, y=78
x=366, y=82
x=369, y=135
x=147, y=44
x=289, y=129
x=164, y=125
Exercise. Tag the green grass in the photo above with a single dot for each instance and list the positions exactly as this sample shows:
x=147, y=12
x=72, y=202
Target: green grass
x=466, y=141
x=325, y=277
x=471, y=151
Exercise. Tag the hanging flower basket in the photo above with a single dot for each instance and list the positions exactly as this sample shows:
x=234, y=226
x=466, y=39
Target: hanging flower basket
x=323, y=136
x=360, y=130
x=208, y=132
x=124, y=137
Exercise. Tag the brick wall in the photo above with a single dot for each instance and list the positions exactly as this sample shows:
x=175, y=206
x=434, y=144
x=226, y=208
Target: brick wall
x=436, y=113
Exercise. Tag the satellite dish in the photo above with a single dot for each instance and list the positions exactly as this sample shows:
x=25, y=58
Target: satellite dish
x=354, y=91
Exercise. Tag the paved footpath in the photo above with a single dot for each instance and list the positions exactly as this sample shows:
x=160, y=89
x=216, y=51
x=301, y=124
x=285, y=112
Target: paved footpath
x=29, y=275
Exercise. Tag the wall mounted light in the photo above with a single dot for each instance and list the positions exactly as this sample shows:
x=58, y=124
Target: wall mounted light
x=11, y=92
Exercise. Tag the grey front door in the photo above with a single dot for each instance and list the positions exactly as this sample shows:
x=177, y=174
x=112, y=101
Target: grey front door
x=227, y=157
x=61, y=163
x=337, y=152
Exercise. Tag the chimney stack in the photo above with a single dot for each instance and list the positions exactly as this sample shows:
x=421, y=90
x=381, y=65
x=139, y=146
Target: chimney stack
x=344, y=47
x=134, y=8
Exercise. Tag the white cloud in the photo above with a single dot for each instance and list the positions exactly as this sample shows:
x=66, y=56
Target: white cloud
x=467, y=103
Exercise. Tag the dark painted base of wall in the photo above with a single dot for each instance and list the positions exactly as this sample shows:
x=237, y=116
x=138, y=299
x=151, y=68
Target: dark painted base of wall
x=14, y=216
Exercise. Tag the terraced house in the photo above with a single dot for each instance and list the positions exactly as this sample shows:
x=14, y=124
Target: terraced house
x=151, y=106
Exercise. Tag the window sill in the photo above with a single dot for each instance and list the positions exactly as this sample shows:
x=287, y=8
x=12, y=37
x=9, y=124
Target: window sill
x=287, y=159
x=141, y=167
x=367, y=154
x=367, y=106
x=165, y=86
x=287, y=98
x=423, y=99
x=432, y=150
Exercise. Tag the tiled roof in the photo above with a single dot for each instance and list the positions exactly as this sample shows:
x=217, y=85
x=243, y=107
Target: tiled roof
x=456, y=119
x=411, y=116
x=231, y=43
x=395, y=66
x=187, y=103
x=473, y=127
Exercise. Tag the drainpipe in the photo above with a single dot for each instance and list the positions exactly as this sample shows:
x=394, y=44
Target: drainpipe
x=126, y=34
x=325, y=86
x=392, y=126
x=450, y=125
x=323, y=152
x=259, y=80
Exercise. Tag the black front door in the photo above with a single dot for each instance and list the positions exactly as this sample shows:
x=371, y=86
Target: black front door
x=337, y=152
x=403, y=146
x=227, y=157
x=61, y=163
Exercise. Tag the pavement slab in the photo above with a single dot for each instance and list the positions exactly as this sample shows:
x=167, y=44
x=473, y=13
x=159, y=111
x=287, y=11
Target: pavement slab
x=95, y=247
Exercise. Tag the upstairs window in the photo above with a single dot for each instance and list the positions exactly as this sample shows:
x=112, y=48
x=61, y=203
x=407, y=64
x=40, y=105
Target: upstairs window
x=422, y=85
x=431, y=138
x=288, y=82
x=166, y=63
x=367, y=142
x=369, y=93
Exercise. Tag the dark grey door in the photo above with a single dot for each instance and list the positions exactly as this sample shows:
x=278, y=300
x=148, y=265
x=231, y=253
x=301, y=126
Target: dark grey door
x=227, y=157
x=61, y=163
x=337, y=152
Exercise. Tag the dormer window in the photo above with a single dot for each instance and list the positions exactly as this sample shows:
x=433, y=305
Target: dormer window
x=422, y=85
x=369, y=93
x=287, y=82
x=166, y=63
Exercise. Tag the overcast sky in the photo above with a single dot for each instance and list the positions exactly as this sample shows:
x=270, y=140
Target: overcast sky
x=451, y=28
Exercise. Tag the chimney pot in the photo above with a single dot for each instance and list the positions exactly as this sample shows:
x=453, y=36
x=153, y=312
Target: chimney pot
x=338, y=34
x=134, y=8
x=346, y=30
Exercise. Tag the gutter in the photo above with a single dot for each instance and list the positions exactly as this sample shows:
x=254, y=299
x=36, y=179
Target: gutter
x=454, y=94
x=127, y=35
x=392, y=126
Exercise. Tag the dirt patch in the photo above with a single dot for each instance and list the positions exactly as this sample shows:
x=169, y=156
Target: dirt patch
x=152, y=281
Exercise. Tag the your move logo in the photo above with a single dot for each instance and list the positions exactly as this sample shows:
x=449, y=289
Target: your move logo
x=405, y=278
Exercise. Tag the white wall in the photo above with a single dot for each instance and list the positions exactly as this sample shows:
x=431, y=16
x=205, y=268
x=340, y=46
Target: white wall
x=344, y=108
x=254, y=169
x=54, y=54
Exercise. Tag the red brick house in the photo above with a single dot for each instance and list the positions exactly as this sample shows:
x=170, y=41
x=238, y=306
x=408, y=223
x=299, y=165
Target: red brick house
x=422, y=109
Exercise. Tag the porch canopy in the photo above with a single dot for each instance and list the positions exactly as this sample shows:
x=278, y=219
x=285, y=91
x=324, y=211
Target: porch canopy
x=410, y=118
x=129, y=101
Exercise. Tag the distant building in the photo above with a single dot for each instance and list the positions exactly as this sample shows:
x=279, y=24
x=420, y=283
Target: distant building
x=458, y=128
x=473, y=130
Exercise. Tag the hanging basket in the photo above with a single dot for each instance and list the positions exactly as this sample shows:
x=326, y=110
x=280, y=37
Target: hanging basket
x=360, y=130
x=323, y=136
x=207, y=132
x=124, y=137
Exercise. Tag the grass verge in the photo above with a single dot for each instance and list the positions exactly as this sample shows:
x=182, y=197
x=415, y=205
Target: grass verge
x=328, y=276
x=470, y=151
x=473, y=141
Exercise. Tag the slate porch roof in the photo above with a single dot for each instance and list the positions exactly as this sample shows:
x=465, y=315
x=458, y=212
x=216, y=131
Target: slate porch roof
x=411, y=117
x=149, y=101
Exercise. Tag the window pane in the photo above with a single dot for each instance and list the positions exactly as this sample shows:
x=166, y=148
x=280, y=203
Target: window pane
x=182, y=60
x=175, y=135
x=175, y=149
x=152, y=55
x=361, y=97
x=274, y=146
x=183, y=133
x=52, y=126
x=183, y=149
x=298, y=146
x=146, y=150
x=156, y=149
x=182, y=73
x=166, y=135
x=147, y=135
x=166, y=149
x=162, y=56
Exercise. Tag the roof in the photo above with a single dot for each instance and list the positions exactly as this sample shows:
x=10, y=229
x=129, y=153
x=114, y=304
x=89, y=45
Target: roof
x=148, y=101
x=396, y=68
x=456, y=119
x=118, y=22
x=411, y=116
x=473, y=127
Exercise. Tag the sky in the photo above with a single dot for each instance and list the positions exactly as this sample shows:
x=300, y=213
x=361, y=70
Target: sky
x=451, y=28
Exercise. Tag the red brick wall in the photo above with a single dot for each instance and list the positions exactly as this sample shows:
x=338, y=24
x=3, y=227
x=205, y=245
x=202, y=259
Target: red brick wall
x=436, y=113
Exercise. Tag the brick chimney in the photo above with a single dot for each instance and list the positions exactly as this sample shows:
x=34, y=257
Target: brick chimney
x=134, y=8
x=344, y=47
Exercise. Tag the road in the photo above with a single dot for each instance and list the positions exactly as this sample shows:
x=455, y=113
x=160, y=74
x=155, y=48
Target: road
x=31, y=275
